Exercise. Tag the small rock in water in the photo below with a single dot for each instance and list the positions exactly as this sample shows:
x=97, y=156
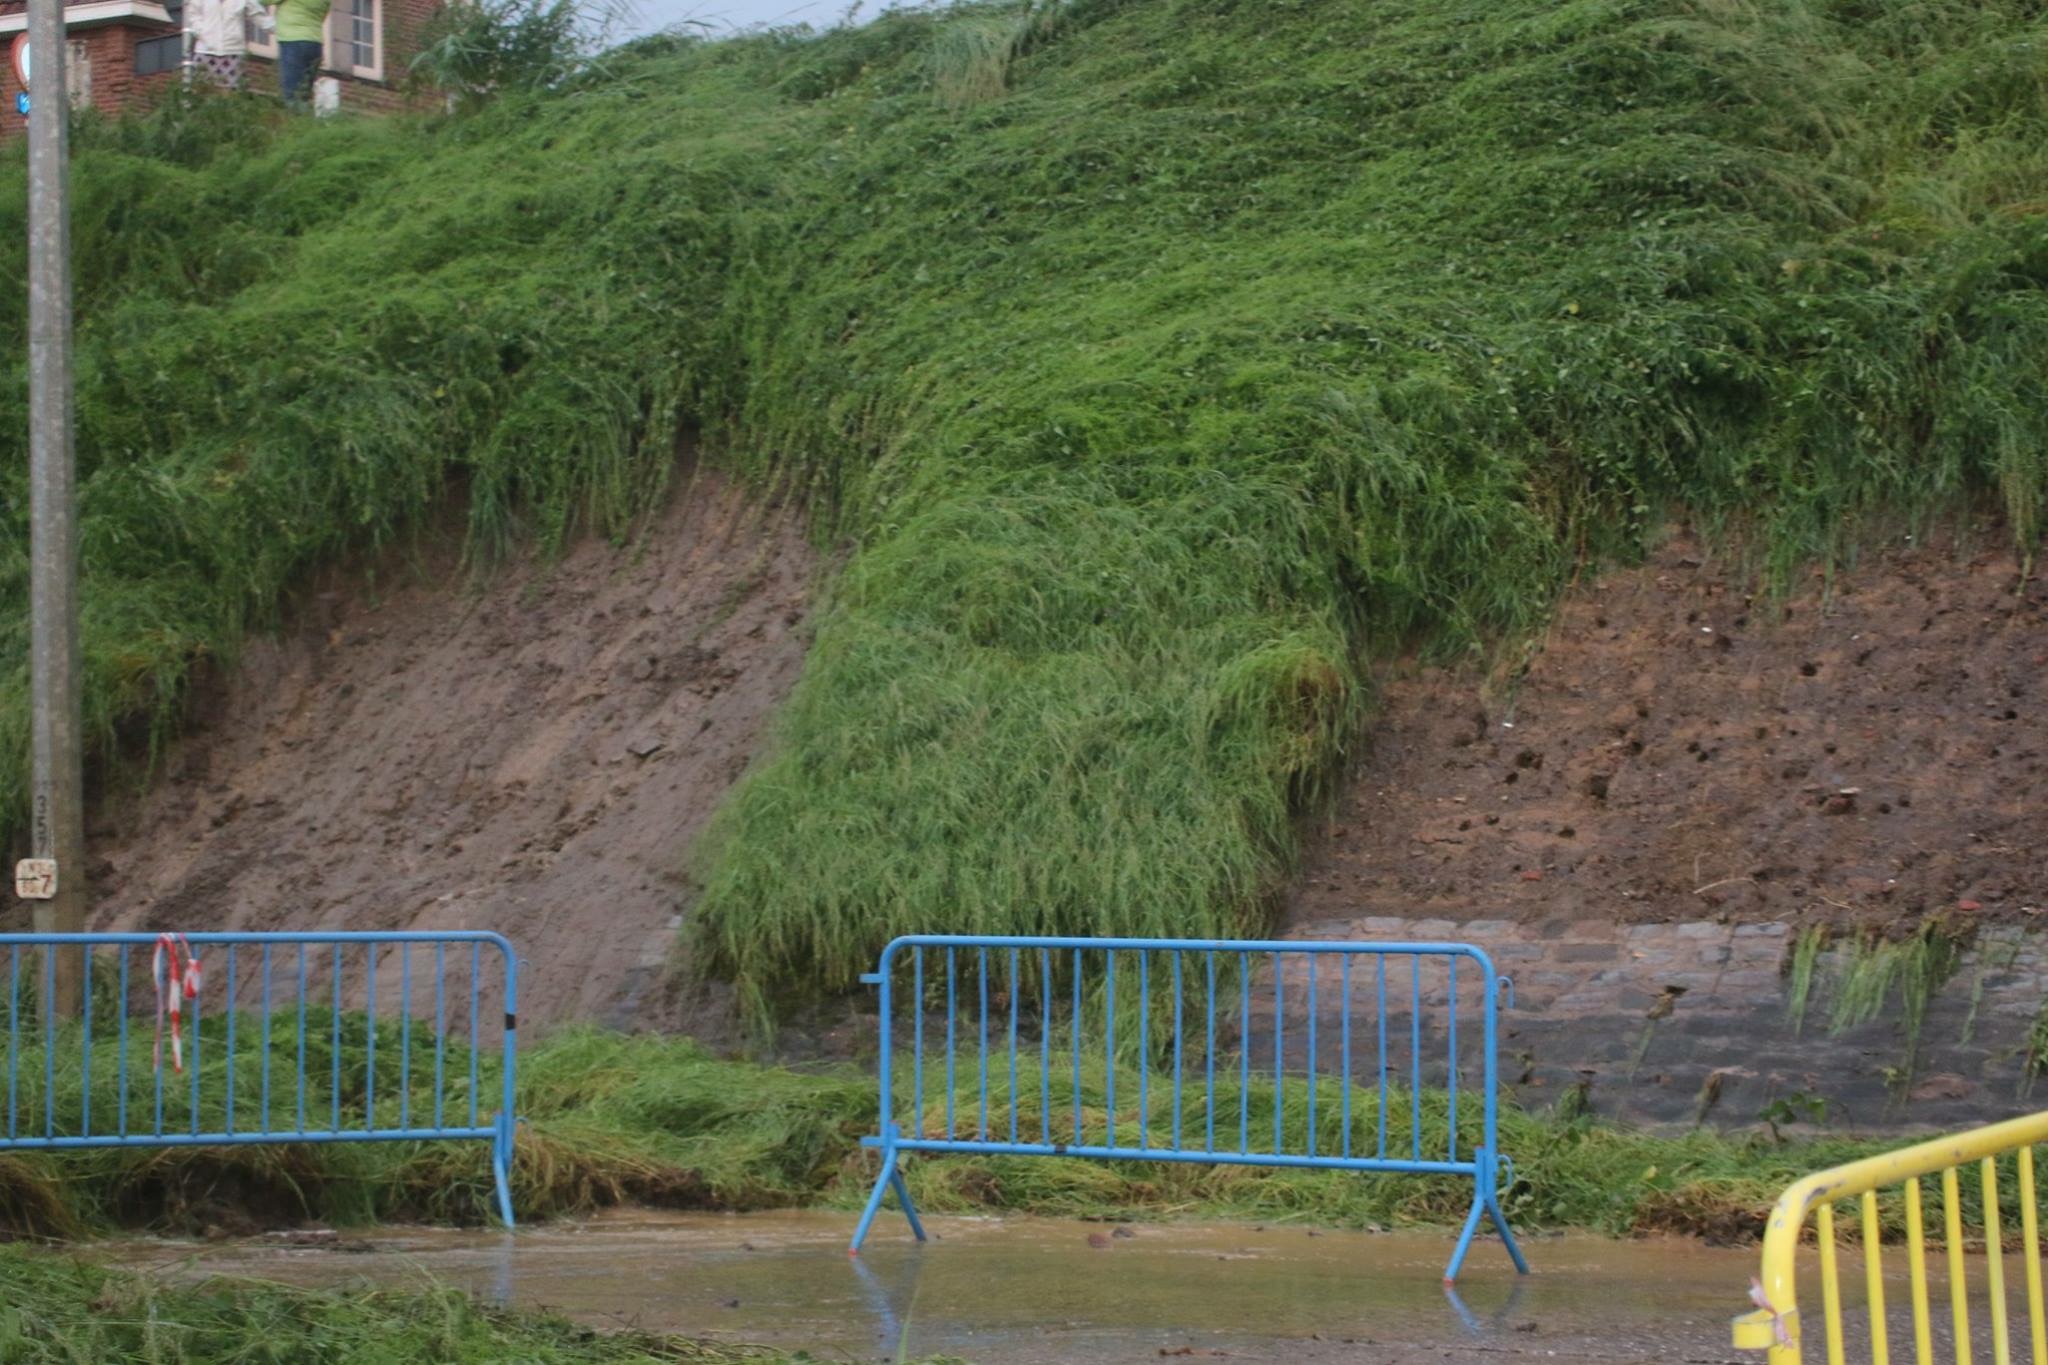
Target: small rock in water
x=1097, y=1240
x=1121, y=1231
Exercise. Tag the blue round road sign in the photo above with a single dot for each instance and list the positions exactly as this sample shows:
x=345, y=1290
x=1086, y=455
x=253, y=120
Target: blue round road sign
x=21, y=104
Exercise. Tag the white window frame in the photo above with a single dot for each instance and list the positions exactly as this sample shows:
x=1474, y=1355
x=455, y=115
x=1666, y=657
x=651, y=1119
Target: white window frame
x=340, y=18
x=78, y=72
x=254, y=39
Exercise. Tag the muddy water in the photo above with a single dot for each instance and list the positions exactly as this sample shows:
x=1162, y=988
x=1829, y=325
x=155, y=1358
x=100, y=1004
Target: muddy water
x=1019, y=1291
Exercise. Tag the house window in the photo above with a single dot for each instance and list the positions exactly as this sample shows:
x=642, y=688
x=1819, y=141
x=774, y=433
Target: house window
x=154, y=56
x=78, y=74
x=353, y=47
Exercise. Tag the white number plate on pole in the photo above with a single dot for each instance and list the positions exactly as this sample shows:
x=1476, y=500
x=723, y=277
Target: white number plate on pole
x=35, y=879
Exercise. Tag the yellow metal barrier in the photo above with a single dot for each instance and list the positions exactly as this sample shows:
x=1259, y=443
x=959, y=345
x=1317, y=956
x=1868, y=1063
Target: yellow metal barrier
x=1774, y=1325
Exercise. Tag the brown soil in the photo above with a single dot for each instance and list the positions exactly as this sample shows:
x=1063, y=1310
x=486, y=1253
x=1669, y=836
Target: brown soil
x=531, y=755
x=1868, y=750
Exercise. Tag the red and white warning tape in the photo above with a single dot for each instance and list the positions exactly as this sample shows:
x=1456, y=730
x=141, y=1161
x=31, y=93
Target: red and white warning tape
x=175, y=984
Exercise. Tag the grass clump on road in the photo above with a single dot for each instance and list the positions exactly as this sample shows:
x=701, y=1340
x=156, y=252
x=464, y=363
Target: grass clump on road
x=1159, y=361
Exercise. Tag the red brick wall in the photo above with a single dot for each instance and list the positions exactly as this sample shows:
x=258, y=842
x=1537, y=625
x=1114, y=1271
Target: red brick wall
x=110, y=55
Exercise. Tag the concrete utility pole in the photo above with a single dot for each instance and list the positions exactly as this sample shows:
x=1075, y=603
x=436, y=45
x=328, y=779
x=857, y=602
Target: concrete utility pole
x=57, y=801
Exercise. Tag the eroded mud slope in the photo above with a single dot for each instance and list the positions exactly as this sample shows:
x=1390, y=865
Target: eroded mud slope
x=532, y=754
x=1681, y=748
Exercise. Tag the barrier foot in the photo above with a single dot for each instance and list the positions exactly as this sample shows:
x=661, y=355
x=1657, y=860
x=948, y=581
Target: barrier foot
x=501, y=1166
x=1486, y=1204
x=903, y=1198
x=1500, y=1224
x=1465, y=1237
x=890, y=1178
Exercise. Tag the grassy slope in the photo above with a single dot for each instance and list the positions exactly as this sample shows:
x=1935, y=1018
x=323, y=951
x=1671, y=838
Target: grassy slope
x=611, y=1119
x=1163, y=358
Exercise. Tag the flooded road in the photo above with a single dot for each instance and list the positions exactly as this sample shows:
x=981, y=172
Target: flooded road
x=1027, y=1291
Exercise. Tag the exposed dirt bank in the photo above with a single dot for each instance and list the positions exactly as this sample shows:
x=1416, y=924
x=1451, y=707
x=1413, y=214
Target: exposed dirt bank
x=1869, y=749
x=531, y=754
x=1684, y=778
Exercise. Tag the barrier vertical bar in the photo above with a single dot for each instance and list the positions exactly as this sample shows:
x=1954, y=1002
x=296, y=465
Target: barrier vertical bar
x=982, y=1128
x=266, y=1038
x=1109, y=1044
x=440, y=1028
x=1279, y=1057
x=1994, y=1262
x=917, y=1040
x=1451, y=1085
x=48, y=1005
x=370, y=1009
x=1314, y=969
x=121, y=1095
x=1244, y=1053
x=1489, y=1116
x=1830, y=1285
x=157, y=1049
x=1916, y=1270
x=1144, y=1046
x=1958, y=1289
x=228, y=999
x=1873, y=1280
x=85, y=994
x=1380, y=959
x=2031, y=1256
x=1415, y=1052
x=951, y=1010
x=334, y=1090
x=1014, y=1099
x=885, y=1012
x=1177, y=1011
x=476, y=971
x=1346, y=1049
x=1486, y=1160
x=13, y=1034
x=302, y=1038
x=1075, y=1058
x=1209, y=1053
x=404, y=1037
x=508, y=1095
x=192, y=1099
x=1045, y=1047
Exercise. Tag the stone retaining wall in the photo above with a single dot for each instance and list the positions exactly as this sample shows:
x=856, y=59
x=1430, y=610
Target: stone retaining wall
x=1668, y=1024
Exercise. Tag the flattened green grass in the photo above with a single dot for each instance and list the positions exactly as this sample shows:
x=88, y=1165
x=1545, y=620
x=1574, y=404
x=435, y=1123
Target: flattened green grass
x=612, y=1119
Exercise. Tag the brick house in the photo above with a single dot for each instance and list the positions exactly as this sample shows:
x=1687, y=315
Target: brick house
x=122, y=53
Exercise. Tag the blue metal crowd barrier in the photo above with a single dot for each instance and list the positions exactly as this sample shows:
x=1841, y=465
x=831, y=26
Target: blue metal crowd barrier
x=210, y=1088
x=1233, y=1024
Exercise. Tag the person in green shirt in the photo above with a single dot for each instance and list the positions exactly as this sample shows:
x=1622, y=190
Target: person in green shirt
x=299, y=24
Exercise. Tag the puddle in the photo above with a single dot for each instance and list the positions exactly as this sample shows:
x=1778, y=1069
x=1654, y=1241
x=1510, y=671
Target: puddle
x=1025, y=1291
